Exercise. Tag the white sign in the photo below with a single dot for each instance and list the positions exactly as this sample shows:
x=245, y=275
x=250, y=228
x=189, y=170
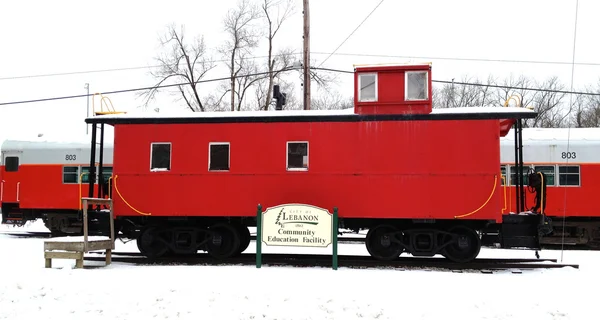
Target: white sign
x=297, y=225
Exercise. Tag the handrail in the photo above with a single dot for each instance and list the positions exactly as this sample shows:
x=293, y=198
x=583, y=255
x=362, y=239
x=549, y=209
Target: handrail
x=1, y=190
x=101, y=100
x=80, y=180
x=511, y=98
x=109, y=188
x=18, y=190
x=541, y=193
x=485, y=203
x=504, y=184
x=127, y=203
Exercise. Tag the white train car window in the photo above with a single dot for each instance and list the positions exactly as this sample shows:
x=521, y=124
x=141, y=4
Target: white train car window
x=513, y=176
x=160, y=156
x=416, y=85
x=367, y=87
x=71, y=174
x=297, y=156
x=218, y=156
x=568, y=176
x=549, y=172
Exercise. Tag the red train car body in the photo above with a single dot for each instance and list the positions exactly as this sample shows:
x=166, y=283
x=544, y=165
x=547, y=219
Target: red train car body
x=570, y=161
x=422, y=181
x=46, y=179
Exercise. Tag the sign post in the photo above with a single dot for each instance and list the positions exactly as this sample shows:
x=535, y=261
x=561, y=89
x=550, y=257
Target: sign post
x=259, y=236
x=297, y=225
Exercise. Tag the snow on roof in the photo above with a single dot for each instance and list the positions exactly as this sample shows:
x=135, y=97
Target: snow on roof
x=557, y=134
x=294, y=113
x=475, y=110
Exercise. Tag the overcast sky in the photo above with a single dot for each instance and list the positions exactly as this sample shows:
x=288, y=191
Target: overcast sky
x=49, y=37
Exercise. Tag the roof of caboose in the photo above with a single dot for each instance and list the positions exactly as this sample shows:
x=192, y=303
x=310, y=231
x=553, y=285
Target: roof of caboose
x=341, y=115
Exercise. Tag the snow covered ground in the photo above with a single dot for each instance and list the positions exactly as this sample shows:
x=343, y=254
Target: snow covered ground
x=120, y=291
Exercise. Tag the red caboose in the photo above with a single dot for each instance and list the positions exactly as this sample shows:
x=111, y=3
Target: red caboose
x=421, y=180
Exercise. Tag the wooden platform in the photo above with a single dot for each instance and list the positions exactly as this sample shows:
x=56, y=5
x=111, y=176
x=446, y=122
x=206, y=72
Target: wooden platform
x=75, y=247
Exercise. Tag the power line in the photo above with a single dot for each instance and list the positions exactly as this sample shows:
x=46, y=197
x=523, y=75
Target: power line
x=140, y=89
x=319, y=53
x=486, y=85
x=351, y=33
x=463, y=59
x=282, y=70
x=517, y=88
x=116, y=69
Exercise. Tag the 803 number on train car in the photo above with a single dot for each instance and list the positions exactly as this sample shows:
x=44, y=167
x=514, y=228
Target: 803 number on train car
x=568, y=155
x=72, y=157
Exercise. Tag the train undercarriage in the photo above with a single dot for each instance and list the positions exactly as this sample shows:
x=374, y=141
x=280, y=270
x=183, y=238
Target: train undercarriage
x=418, y=238
x=387, y=239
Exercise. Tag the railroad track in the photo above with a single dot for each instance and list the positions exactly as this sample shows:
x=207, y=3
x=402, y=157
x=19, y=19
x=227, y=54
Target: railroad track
x=484, y=265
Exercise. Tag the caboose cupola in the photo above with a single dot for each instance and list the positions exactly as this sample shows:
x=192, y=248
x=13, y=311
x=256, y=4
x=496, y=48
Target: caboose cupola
x=392, y=89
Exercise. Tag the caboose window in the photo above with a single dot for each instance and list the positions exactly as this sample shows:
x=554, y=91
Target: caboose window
x=367, y=87
x=11, y=164
x=160, y=158
x=297, y=155
x=219, y=156
x=568, y=175
x=416, y=85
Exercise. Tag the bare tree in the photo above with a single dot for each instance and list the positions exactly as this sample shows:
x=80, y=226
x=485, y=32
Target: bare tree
x=469, y=92
x=182, y=63
x=282, y=63
x=274, y=22
x=586, y=109
x=330, y=100
x=243, y=37
x=548, y=104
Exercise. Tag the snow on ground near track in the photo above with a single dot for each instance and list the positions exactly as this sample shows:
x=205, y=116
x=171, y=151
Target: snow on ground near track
x=121, y=291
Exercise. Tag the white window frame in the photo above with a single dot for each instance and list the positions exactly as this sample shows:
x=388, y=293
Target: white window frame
x=228, y=155
x=360, y=97
x=170, y=157
x=287, y=147
x=406, y=85
x=80, y=171
x=558, y=175
x=554, y=173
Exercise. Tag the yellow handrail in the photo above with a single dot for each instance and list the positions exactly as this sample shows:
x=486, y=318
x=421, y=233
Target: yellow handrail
x=541, y=193
x=80, y=179
x=504, y=184
x=511, y=98
x=109, y=188
x=101, y=100
x=485, y=203
x=127, y=203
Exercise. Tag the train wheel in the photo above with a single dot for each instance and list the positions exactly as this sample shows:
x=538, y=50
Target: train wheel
x=224, y=240
x=244, y=238
x=465, y=248
x=381, y=244
x=150, y=244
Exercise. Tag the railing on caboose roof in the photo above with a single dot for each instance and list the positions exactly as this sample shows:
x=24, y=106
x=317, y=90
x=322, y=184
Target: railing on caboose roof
x=109, y=110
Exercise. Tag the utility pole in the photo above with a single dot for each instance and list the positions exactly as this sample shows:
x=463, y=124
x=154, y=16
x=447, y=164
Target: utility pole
x=306, y=56
x=87, y=110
